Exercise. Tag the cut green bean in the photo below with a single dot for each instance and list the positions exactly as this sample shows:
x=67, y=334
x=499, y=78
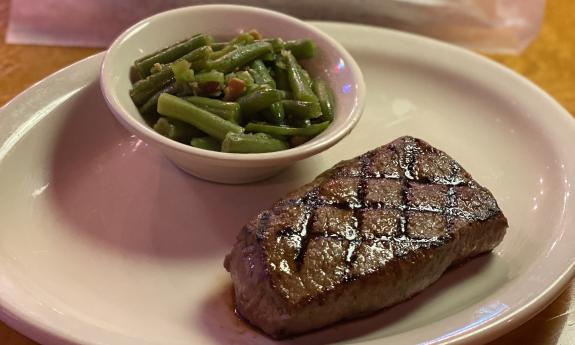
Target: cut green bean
x=176, y=130
x=301, y=49
x=258, y=100
x=326, y=99
x=252, y=143
x=286, y=94
x=299, y=123
x=301, y=109
x=171, y=53
x=227, y=49
x=239, y=57
x=182, y=71
x=305, y=76
x=180, y=109
x=221, y=49
x=243, y=39
x=261, y=75
x=277, y=43
x=152, y=102
x=281, y=77
x=217, y=46
x=206, y=143
x=311, y=130
x=226, y=110
x=210, y=77
x=269, y=56
x=275, y=114
x=298, y=81
x=197, y=55
x=143, y=89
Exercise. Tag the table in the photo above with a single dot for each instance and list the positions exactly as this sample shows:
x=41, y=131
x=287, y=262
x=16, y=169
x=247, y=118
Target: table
x=549, y=62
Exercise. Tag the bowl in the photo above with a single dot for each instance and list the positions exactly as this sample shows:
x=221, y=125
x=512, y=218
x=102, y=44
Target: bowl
x=333, y=63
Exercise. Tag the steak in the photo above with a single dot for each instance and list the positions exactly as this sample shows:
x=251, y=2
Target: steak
x=366, y=234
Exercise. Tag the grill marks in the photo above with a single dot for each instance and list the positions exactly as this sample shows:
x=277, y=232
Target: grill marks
x=305, y=230
x=357, y=212
x=421, y=168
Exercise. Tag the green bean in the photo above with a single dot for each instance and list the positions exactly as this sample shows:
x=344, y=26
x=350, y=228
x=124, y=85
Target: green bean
x=240, y=56
x=206, y=143
x=275, y=113
x=277, y=43
x=301, y=109
x=221, y=49
x=176, y=130
x=217, y=46
x=182, y=71
x=281, y=77
x=179, y=109
x=305, y=76
x=198, y=55
x=326, y=99
x=286, y=94
x=301, y=49
x=261, y=75
x=299, y=123
x=252, y=143
x=311, y=130
x=243, y=39
x=171, y=53
x=143, y=89
x=212, y=76
x=152, y=102
x=227, y=49
x=257, y=100
x=226, y=110
x=271, y=56
x=298, y=81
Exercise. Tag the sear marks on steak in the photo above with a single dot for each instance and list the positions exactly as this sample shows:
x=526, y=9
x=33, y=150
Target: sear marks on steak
x=366, y=234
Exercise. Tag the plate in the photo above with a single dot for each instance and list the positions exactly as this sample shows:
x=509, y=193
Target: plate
x=104, y=241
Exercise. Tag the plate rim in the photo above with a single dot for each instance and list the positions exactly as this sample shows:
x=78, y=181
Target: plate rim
x=16, y=319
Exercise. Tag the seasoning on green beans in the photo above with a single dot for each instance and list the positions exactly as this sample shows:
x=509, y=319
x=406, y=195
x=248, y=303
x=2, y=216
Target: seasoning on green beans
x=246, y=94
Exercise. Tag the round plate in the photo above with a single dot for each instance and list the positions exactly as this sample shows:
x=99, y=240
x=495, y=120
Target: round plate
x=103, y=241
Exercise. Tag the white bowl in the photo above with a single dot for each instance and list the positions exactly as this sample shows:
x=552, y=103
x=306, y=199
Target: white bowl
x=333, y=63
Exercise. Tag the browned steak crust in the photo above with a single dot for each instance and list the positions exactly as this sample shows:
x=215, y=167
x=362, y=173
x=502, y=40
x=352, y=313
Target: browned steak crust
x=366, y=234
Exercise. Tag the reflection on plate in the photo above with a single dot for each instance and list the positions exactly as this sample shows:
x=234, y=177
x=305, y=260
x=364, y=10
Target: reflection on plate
x=103, y=241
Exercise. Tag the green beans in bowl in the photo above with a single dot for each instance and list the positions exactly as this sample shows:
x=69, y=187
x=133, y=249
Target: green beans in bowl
x=245, y=95
x=230, y=104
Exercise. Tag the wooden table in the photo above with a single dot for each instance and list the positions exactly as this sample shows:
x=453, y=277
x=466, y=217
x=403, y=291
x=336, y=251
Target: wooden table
x=549, y=62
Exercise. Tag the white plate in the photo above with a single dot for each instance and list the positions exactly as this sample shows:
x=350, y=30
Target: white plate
x=103, y=241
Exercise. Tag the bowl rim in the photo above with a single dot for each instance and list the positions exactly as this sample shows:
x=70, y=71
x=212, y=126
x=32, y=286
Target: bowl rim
x=310, y=148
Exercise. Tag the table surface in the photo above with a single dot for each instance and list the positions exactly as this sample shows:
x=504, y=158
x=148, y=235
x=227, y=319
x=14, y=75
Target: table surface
x=549, y=62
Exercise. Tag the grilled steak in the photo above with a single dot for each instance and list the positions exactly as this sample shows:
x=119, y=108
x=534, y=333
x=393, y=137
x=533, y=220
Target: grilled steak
x=366, y=234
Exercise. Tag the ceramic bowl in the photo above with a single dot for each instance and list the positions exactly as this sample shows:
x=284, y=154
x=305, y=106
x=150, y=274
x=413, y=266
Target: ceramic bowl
x=333, y=63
